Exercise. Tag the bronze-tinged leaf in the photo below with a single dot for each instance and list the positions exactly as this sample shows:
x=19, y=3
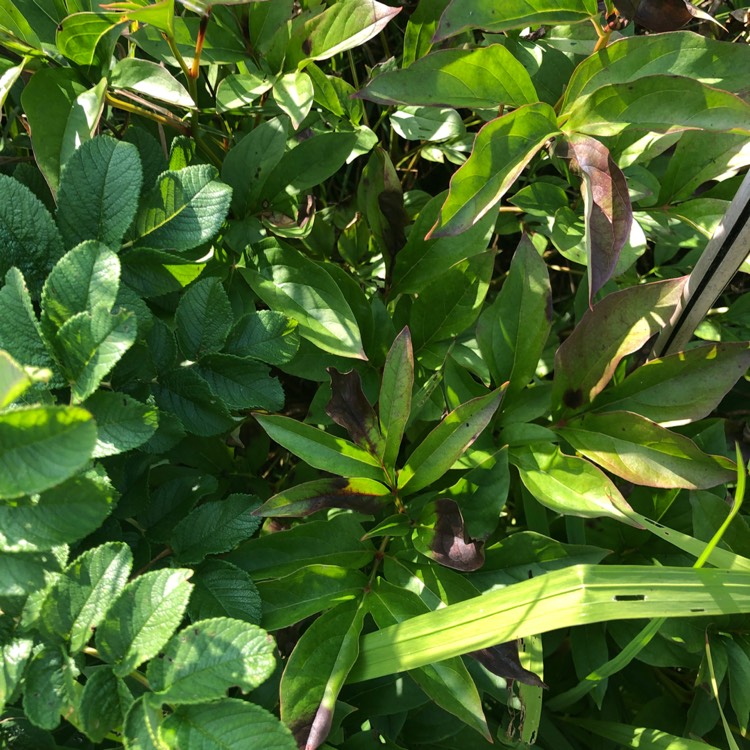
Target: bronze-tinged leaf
x=609, y=214
x=661, y=15
x=503, y=661
x=350, y=409
x=441, y=535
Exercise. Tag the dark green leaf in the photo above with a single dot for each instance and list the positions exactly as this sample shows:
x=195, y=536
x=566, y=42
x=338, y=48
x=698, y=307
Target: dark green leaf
x=221, y=589
x=41, y=446
x=104, y=702
x=265, y=335
x=214, y=527
x=203, y=318
x=48, y=687
x=394, y=401
x=241, y=383
x=447, y=442
x=739, y=682
x=14, y=655
x=122, y=422
x=24, y=573
x=420, y=29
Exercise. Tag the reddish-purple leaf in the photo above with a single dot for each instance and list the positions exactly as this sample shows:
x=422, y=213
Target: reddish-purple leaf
x=661, y=15
x=361, y=495
x=609, y=215
x=503, y=661
x=350, y=408
x=442, y=536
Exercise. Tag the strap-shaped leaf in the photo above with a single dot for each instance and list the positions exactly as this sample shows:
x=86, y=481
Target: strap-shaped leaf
x=447, y=442
x=394, y=402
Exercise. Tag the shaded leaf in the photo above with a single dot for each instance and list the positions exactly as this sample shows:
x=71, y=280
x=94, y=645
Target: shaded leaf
x=607, y=211
x=503, y=147
x=48, y=687
x=221, y=589
x=265, y=335
x=442, y=536
x=142, y=727
x=503, y=661
x=661, y=15
x=203, y=318
x=350, y=409
x=122, y=423
x=241, y=383
x=361, y=495
x=104, y=702
x=14, y=655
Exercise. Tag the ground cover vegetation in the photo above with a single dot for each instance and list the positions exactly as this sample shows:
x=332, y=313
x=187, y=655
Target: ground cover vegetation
x=329, y=409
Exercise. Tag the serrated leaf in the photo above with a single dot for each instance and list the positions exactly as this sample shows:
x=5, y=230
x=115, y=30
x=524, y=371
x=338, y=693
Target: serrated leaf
x=86, y=277
x=513, y=14
x=265, y=335
x=361, y=495
x=203, y=318
x=447, y=442
x=143, y=724
x=41, y=446
x=569, y=484
x=59, y=515
x=79, y=598
x=225, y=723
x=184, y=393
x=617, y=326
x=149, y=78
x=221, y=589
x=241, y=383
x=143, y=619
x=99, y=189
x=215, y=527
x=316, y=672
x=122, y=422
x=184, y=209
x=24, y=573
x=47, y=690
x=394, y=401
x=298, y=287
x=28, y=235
x=321, y=450
x=640, y=451
x=503, y=147
x=105, y=701
x=337, y=541
x=13, y=658
x=487, y=77
x=201, y=662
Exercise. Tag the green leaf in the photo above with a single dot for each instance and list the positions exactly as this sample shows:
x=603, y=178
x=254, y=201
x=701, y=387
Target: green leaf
x=681, y=53
x=142, y=729
x=617, y=326
x=184, y=393
x=14, y=380
x=293, y=93
x=625, y=735
x=638, y=450
x=24, y=573
x=265, y=335
x=149, y=78
x=321, y=450
x=448, y=682
x=20, y=333
x=14, y=655
x=239, y=90
x=104, y=702
x=225, y=723
x=290, y=283
x=41, y=446
x=247, y=166
x=461, y=15
x=682, y=387
x=79, y=35
x=420, y=29
x=47, y=690
x=80, y=598
x=60, y=515
x=122, y=422
x=512, y=332
x=427, y=123
x=487, y=77
x=214, y=527
x=241, y=383
x=28, y=235
x=99, y=190
x=143, y=619
x=160, y=14
x=337, y=541
x=9, y=74
x=394, y=401
x=607, y=211
x=447, y=442
x=422, y=261
x=184, y=209
x=503, y=147
x=203, y=318
x=341, y=27
x=360, y=495
x=316, y=672
x=662, y=104
x=309, y=590
x=221, y=589
x=85, y=278
x=49, y=100
x=89, y=345
x=739, y=680
x=201, y=662
x=568, y=484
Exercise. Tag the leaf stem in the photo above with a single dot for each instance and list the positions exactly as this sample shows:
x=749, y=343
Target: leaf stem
x=134, y=109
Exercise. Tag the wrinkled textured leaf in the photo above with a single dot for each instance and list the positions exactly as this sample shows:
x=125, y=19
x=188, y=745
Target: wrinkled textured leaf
x=47, y=691
x=241, y=383
x=607, y=210
x=13, y=658
x=642, y=452
x=142, y=727
x=394, y=401
x=265, y=335
x=203, y=318
x=503, y=147
x=104, y=702
x=486, y=77
x=350, y=409
x=122, y=423
x=221, y=589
